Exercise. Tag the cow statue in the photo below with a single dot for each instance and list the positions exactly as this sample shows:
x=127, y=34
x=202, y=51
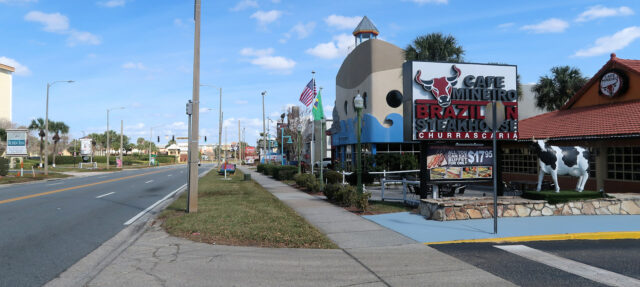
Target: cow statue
x=441, y=87
x=557, y=160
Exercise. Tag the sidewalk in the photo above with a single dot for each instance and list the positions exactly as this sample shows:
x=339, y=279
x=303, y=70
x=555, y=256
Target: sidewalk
x=369, y=255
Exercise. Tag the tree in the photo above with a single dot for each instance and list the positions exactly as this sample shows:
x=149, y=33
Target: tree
x=552, y=93
x=57, y=128
x=434, y=47
x=171, y=141
x=3, y=138
x=39, y=125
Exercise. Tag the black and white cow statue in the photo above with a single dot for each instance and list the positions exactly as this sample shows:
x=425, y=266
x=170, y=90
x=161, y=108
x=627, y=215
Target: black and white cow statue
x=557, y=160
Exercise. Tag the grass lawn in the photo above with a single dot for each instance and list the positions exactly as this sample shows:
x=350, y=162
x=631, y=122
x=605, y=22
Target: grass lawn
x=563, y=196
x=379, y=207
x=237, y=212
x=28, y=177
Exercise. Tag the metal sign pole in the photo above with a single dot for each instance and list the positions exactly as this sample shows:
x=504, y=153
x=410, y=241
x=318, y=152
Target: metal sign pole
x=495, y=178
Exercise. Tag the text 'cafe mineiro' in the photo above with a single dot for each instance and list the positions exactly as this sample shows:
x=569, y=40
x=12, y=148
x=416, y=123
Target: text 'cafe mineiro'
x=603, y=116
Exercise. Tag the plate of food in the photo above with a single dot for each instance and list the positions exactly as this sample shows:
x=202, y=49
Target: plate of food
x=484, y=171
x=454, y=172
x=438, y=173
x=436, y=160
x=470, y=172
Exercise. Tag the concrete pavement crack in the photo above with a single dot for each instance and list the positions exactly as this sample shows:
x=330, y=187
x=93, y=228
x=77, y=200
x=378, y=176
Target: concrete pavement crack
x=366, y=267
x=361, y=283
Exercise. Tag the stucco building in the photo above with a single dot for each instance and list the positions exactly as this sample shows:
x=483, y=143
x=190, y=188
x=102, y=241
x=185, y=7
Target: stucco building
x=6, y=91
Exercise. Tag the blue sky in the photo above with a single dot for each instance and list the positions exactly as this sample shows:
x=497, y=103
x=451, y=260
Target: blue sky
x=139, y=53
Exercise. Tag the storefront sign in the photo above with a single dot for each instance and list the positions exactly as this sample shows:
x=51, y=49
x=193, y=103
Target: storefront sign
x=613, y=83
x=85, y=146
x=17, y=142
x=447, y=101
x=459, y=163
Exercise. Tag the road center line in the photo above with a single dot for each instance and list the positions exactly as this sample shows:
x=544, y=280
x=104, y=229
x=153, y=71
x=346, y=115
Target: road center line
x=150, y=181
x=170, y=175
x=574, y=267
x=56, y=183
x=75, y=187
x=101, y=196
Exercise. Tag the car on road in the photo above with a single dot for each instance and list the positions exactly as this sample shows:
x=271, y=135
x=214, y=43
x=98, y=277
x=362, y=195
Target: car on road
x=325, y=162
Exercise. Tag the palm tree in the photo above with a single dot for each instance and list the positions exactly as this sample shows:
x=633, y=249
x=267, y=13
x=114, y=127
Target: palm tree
x=553, y=93
x=57, y=128
x=434, y=47
x=39, y=125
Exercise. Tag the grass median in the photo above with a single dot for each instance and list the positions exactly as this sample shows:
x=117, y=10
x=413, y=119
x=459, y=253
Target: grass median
x=27, y=177
x=237, y=212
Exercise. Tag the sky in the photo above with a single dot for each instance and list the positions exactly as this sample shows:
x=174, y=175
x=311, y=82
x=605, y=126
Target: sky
x=138, y=54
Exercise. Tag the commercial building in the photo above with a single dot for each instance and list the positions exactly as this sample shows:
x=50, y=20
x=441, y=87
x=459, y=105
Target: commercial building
x=6, y=91
x=603, y=116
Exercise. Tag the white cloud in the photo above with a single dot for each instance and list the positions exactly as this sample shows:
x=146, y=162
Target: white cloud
x=338, y=47
x=256, y=53
x=17, y=1
x=266, y=17
x=300, y=29
x=244, y=4
x=611, y=43
x=58, y=23
x=54, y=22
x=112, y=3
x=241, y=102
x=80, y=37
x=506, y=25
x=430, y=1
x=134, y=66
x=178, y=22
x=21, y=70
x=552, y=25
x=342, y=22
x=600, y=11
x=274, y=63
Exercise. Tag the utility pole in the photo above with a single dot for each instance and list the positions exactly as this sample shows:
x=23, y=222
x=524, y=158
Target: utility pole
x=220, y=127
x=121, y=142
x=264, y=129
x=238, y=145
x=192, y=206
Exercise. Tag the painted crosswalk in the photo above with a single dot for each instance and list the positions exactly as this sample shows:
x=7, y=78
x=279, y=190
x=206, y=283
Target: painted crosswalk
x=570, y=266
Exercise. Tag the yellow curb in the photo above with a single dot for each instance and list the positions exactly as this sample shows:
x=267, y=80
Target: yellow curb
x=550, y=237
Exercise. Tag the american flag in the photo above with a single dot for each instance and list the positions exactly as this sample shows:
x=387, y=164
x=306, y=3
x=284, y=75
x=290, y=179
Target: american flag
x=308, y=94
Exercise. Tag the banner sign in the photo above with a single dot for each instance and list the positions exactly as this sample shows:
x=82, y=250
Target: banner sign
x=85, y=146
x=17, y=142
x=459, y=163
x=447, y=101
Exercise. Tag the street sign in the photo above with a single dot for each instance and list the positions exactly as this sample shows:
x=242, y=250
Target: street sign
x=17, y=141
x=85, y=146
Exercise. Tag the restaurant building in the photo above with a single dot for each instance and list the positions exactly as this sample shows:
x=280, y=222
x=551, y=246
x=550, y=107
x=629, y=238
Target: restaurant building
x=5, y=91
x=603, y=116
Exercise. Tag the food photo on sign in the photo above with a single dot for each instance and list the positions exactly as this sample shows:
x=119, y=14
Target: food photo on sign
x=459, y=163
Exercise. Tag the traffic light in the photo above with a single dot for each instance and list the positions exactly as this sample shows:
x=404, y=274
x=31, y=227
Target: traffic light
x=158, y=138
x=205, y=138
x=173, y=138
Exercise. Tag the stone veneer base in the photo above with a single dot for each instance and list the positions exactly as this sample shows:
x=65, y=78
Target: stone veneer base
x=461, y=208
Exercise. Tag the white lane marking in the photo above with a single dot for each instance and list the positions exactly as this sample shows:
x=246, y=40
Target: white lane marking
x=102, y=176
x=56, y=183
x=133, y=219
x=567, y=265
x=101, y=196
x=149, y=181
x=170, y=175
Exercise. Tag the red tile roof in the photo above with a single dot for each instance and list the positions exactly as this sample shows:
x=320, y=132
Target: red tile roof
x=584, y=122
x=614, y=62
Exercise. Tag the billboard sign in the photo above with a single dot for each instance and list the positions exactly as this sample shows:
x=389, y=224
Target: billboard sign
x=447, y=163
x=447, y=101
x=85, y=146
x=17, y=141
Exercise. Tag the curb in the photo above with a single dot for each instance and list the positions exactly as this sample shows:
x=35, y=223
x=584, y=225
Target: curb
x=87, y=268
x=551, y=237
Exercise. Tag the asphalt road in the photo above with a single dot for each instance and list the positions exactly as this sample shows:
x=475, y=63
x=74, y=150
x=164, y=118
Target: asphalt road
x=618, y=256
x=45, y=227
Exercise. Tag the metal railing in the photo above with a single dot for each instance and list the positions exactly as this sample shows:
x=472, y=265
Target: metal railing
x=405, y=187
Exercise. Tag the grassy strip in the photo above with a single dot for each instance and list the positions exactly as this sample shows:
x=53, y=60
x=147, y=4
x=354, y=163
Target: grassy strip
x=28, y=177
x=237, y=212
x=561, y=197
x=379, y=207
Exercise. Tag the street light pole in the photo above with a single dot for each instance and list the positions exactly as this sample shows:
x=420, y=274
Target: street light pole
x=264, y=129
x=299, y=148
x=108, y=143
x=46, y=128
x=192, y=205
x=219, y=120
x=359, y=103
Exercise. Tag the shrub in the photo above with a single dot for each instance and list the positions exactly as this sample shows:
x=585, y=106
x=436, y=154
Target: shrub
x=331, y=189
x=361, y=200
x=284, y=172
x=304, y=179
x=260, y=168
x=332, y=177
x=4, y=166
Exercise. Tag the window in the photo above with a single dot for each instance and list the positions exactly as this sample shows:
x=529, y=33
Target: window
x=623, y=163
x=364, y=97
x=519, y=160
x=346, y=104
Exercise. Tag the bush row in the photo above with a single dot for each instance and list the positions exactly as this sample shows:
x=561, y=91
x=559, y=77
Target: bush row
x=278, y=172
x=4, y=166
x=347, y=195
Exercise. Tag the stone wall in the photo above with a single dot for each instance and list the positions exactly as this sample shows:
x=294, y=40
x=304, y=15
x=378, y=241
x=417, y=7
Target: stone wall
x=461, y=208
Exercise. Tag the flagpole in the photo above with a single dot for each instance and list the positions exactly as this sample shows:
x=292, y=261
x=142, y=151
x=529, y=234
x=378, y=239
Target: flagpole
x=313, y=124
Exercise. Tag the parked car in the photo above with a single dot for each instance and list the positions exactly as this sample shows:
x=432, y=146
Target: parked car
x=325, y=162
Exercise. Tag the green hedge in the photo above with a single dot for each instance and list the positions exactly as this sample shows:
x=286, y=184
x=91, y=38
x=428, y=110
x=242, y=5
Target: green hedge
x=127, y=160
x=331, y=176
x=347, y=195
x=304, y=180
x=4, y=166
x=563, y=196
x=284, y=172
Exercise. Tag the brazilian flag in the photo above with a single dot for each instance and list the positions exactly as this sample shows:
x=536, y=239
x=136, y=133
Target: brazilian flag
x=318, y=113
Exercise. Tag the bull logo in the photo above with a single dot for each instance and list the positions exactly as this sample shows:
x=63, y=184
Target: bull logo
x=441, y=87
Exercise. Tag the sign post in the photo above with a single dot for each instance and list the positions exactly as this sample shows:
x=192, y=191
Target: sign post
x=17, y=141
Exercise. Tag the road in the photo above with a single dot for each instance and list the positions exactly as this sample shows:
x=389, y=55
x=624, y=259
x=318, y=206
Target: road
x=555, y=263
x=48, y=226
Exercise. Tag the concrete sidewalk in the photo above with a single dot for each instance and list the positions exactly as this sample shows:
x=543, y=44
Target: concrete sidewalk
x=369, y=255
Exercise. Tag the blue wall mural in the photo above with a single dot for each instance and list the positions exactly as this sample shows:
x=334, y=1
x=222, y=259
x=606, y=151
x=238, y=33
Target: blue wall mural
x=372, y=130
